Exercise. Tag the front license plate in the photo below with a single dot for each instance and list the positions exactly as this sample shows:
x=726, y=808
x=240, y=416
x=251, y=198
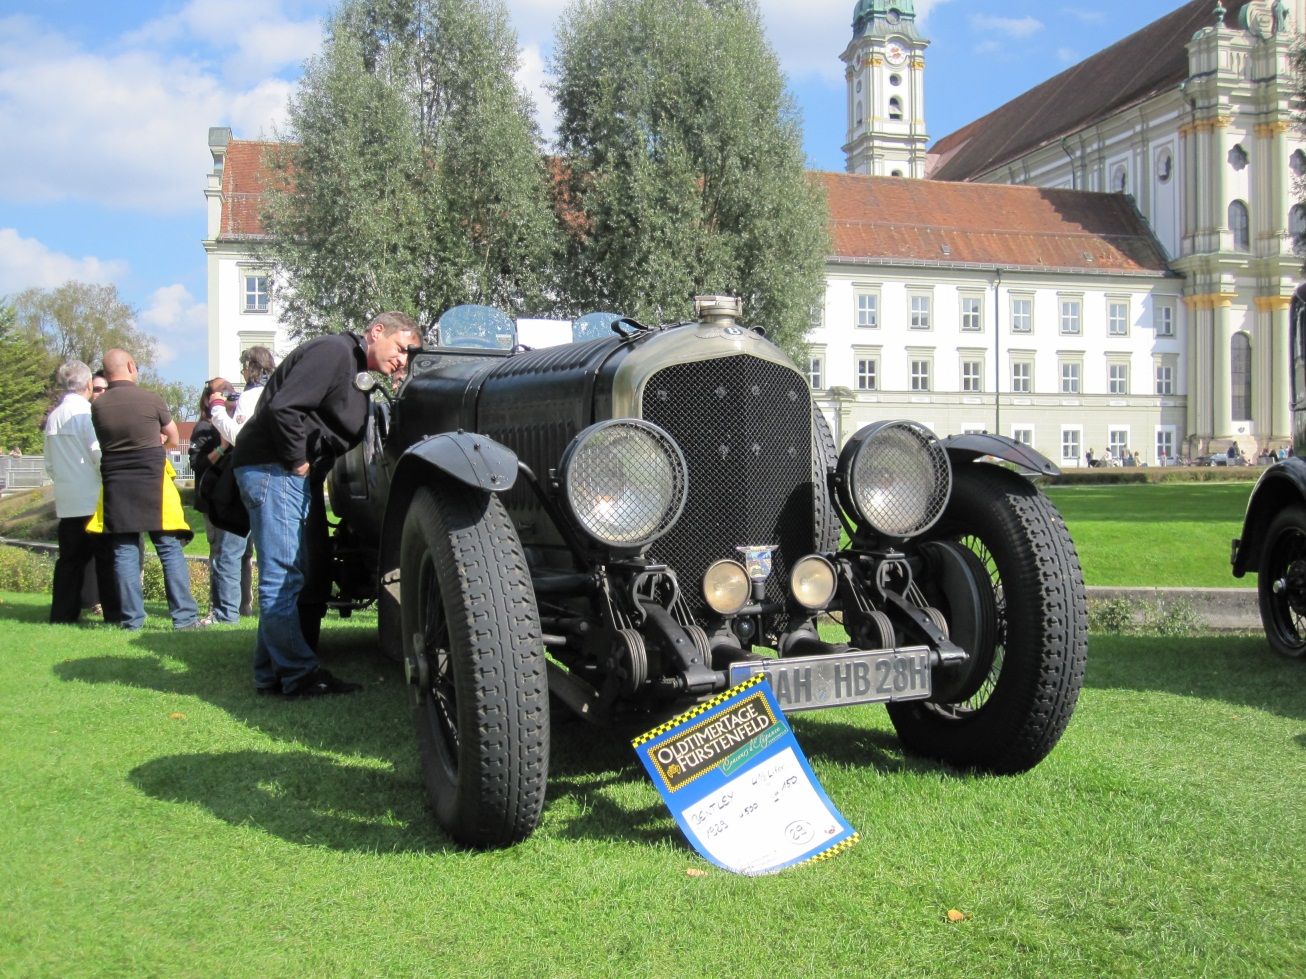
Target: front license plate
x=811, y=682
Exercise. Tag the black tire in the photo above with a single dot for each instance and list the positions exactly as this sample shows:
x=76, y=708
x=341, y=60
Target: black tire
x=475, y=660
x=1020, y=709
x=824, y=455
x=1281, y=583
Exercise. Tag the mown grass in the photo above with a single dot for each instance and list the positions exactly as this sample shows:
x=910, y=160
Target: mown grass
x=1164, y=535
x=162, y=819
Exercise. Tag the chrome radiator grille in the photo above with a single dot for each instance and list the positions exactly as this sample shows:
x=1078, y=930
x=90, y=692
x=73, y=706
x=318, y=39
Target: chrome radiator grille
x=745, y=427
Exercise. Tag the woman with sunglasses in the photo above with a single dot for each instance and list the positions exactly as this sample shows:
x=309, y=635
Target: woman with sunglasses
x=226, y=550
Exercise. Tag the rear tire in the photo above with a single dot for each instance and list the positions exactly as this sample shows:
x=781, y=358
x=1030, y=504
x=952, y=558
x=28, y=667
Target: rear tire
x=1283, y=565
x=1021, y=707
x=474, y=658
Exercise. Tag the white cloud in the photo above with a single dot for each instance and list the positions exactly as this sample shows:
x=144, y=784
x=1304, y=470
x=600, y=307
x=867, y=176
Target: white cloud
x=26, y=263
x=1067, y=56
x=532, y=73
x=126, y=129
x=1011, y=26
x=1085, y=15
x=179, y=322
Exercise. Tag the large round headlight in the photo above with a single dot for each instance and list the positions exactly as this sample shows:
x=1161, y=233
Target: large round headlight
x=624, y=481
x=895, y=478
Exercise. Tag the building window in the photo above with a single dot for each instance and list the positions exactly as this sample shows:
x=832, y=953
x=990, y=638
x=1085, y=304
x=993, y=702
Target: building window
x=1069, y=377
x=1117, y=380
x=1240, y=376
x=816, y=316
x=895, y=80
x=1120, y=180
x=972, y=314
x=1070, y=316
x=972, y=373
x=868, y=374
x=1117, y=442
x=1297, y=163
x=256, y=293
x=1164, y=445
x=868, y=310
x=1025, y=436
x=1117, y=319
x=1164, y=379
x=920, y=375
x=920, y=312
x=859, y=112
x=816, y=371
x=1238, y=157
x=1022, y=314
x=1239, y=226
x=1297, y=229
x=895, y=108
x=1071, y=442
x=1163, y=319
x=1164, y=166
x=1022, y=377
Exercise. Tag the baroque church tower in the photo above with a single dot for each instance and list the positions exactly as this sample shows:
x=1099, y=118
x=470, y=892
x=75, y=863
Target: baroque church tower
x=886, y=90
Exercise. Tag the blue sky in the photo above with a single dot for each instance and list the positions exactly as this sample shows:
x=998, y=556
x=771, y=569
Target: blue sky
x=105, y=110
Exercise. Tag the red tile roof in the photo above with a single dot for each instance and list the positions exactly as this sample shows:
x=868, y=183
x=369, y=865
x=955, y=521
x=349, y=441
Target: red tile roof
x=1145, y=63
x=887, y=219
x=244, y=179
x=933, y=222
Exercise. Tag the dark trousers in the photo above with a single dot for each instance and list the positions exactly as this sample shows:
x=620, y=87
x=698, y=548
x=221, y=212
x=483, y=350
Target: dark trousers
x=77, y=549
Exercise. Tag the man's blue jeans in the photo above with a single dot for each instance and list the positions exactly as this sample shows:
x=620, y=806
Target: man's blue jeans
x=277, y=501
x=226, y=553
x=176, y=578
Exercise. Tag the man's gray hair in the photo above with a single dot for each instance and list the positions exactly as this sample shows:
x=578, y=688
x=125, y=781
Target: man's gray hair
x=72, y=375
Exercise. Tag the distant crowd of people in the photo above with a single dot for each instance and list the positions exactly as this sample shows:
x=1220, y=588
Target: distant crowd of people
x=106, y=445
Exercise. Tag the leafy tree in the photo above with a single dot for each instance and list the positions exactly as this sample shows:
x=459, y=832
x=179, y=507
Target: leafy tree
x=411, y=178
x=80, y=321
x=182, y=399
x=24, y=385
x=685, y=163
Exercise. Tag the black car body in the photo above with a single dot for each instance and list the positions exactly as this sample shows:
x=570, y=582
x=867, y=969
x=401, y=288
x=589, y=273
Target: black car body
x=1273, y=540
x=635, y=522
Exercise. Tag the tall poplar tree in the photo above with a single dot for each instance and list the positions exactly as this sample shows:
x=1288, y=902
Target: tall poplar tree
x=685, y=166
x=411, y=177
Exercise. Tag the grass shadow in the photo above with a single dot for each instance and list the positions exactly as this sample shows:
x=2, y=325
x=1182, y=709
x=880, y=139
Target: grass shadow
x=1238, y=670
x=304, y=798
x=36, y=615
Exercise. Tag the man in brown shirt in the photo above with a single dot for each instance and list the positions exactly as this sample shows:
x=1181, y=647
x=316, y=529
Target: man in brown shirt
x=134, y=428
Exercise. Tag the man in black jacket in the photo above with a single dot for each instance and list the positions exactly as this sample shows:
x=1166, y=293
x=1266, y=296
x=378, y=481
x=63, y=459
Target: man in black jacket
x=310, y=414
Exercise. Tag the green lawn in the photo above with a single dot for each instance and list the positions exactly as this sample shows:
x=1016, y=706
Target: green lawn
x=1162, y=534
x=160, y=819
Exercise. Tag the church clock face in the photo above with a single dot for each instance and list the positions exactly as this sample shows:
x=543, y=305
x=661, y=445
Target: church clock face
x=895, y=53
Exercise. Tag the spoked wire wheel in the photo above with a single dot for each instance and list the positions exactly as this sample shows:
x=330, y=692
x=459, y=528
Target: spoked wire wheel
x=474, y=661
x=1021, y=589
x=1281, y=583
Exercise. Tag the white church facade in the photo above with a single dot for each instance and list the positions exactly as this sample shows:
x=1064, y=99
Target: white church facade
x=1112, y=299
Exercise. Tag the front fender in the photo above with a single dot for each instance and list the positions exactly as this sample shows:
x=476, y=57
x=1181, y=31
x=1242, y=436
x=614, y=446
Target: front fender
x=1281, y=485
x=473, y=460
x=969, y=447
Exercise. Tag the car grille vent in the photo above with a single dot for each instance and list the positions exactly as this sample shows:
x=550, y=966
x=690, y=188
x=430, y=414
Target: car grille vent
x=745, y=427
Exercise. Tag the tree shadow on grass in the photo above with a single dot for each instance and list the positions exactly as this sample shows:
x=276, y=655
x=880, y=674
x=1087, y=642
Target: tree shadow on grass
x=308, y=799
x=1237, y=670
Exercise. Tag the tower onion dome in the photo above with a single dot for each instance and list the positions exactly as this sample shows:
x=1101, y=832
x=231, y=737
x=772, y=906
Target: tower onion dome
x=883, y=16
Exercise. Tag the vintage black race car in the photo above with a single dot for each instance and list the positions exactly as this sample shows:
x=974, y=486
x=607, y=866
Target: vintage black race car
x=639, y=521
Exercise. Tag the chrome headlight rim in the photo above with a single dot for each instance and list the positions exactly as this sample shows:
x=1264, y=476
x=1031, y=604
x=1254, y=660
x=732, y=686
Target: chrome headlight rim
x=714, y=571
x=647, y=527
x=823, y=564
x=928, y=483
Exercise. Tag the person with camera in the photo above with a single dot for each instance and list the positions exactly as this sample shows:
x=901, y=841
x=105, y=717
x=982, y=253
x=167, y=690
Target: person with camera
x=226, y=550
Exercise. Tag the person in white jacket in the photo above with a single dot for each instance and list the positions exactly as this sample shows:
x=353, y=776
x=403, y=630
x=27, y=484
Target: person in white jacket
x=72, y=461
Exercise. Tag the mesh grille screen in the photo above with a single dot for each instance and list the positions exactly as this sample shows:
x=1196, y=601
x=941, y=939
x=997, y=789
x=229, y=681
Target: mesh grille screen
x=745, y=427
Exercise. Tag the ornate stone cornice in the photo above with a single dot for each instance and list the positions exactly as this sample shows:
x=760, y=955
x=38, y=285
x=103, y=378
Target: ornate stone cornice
x=1271, y=303
x=1210, y=300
